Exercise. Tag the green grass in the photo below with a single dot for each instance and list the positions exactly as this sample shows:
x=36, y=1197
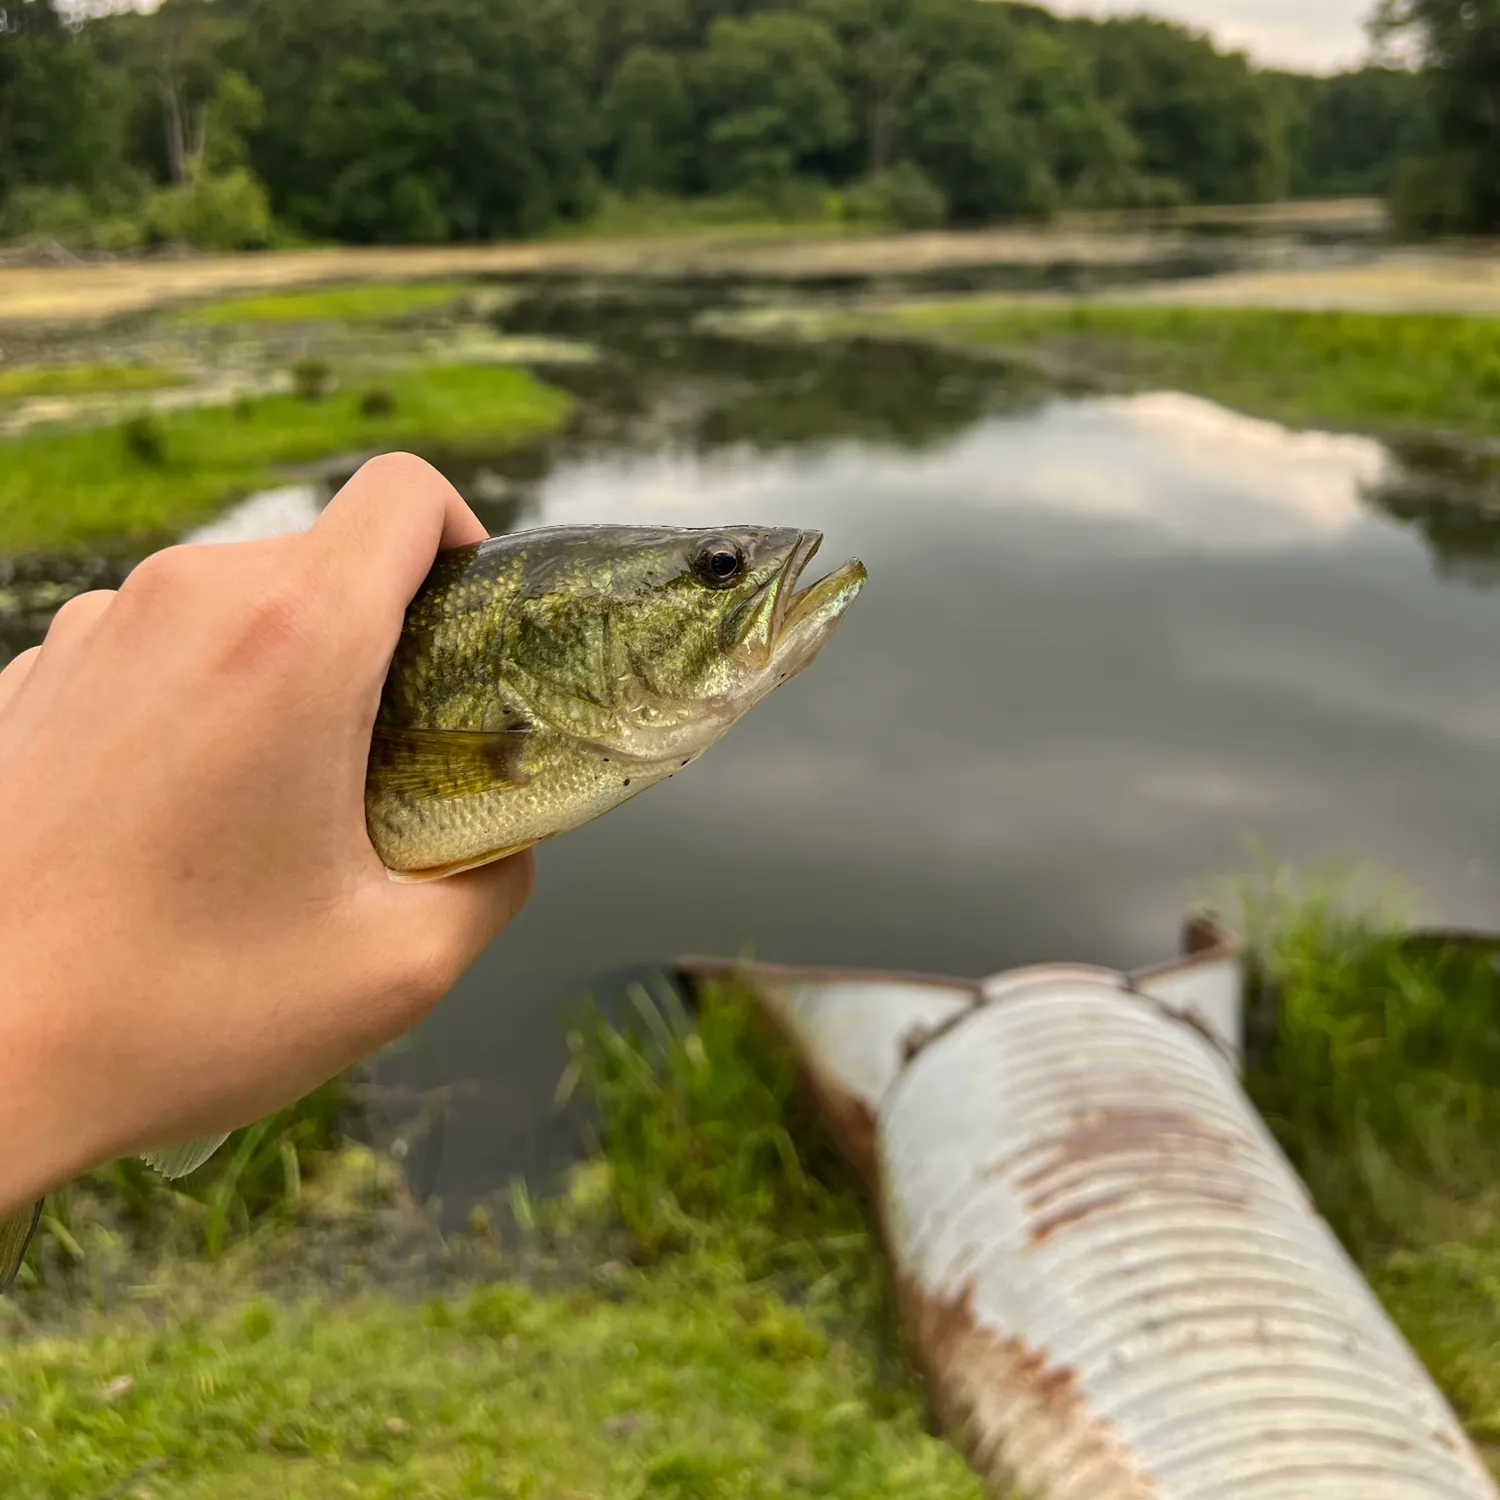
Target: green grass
x=365, y=302
x=802, y=209
x=257, y=1182
x=688, y=1385
x=706, y=1153
x=748, y=1347
x=83, y=380
x=687, y=1375
x=1382, y=1083
x=61, y=488
x=1446, y=1300
x=1383, y=1077
x=1407, y=371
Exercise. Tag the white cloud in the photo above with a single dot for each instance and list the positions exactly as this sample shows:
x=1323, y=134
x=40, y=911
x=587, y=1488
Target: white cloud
x=1307, y=35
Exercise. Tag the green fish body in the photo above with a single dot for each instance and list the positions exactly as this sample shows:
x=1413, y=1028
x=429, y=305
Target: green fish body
x=545, y=677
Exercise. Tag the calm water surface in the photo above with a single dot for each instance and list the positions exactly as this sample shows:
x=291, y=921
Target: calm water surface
x=1104, y=642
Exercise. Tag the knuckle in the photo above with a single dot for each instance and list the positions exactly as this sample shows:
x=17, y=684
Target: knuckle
x=81, y=608
x=400, y=469
x=18, y=666
x=249, y=600
x=162, y=573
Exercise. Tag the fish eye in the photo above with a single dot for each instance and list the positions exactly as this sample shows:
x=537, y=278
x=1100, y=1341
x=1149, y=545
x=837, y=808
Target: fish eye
x=719, y=563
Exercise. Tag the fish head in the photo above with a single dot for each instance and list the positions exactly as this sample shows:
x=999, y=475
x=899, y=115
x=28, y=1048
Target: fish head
x=699, y=626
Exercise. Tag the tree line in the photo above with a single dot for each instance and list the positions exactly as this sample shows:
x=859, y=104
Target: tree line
x=232, y=123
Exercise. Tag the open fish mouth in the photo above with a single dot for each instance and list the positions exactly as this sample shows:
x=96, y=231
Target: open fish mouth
x=781, y=627
x=788, y=596
x=803, y=618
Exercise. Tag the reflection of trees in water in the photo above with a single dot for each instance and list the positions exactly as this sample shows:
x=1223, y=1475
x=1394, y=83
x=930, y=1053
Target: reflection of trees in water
x=1451, y=497
x=904, y=395
x=666, y=379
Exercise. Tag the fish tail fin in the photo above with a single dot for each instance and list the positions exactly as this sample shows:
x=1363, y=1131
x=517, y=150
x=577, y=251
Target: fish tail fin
x=15, y=1235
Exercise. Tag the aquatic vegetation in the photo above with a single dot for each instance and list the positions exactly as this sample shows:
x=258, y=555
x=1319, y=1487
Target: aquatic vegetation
x=23, y=381
x=1358, y=369
x=368, y=302
x=69, y=487
x=377, y=402
x=144, y=438
x=311, y=379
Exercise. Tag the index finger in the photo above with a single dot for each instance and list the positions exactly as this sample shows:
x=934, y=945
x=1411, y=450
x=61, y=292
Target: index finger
x=379, y=535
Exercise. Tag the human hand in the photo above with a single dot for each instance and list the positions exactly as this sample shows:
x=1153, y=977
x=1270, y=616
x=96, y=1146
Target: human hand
x=194, y=928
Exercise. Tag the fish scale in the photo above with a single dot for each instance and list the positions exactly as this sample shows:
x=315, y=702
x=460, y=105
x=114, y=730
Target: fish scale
x=612, y=657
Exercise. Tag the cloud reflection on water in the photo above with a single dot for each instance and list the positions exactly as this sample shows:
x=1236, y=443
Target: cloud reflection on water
x=1186, y=471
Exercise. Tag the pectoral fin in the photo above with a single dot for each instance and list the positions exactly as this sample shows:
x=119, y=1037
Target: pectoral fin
x=447, y=763
x=178, y=1161
x=15, y=1236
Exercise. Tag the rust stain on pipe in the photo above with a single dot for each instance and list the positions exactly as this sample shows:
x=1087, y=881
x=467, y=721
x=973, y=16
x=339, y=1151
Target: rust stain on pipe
x=1014, y=1413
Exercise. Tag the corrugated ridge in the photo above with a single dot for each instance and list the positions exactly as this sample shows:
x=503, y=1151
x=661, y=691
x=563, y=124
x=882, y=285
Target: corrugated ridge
x=1079, y=1183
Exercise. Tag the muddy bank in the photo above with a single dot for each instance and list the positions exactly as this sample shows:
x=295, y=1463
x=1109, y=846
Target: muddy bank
x=1255, y=236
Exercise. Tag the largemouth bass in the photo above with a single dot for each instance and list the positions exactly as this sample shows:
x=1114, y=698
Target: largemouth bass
x=545, y=677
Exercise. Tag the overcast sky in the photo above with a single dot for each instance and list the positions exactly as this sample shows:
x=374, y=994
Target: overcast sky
x=1309, y=35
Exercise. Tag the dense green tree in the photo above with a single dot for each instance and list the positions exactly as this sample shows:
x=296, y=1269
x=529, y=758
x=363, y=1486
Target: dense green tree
x=1455, y=183
x=882, y=62
x=1349, y=131
x=649, y=123
x=62, y=112
x=378, y=120
x=1211, y=130
x=470, y=121
x=1091, y=153
x=616, y=28
x=771, y=98
x=984, y=156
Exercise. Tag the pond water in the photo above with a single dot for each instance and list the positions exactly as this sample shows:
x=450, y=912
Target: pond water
x=1105, y=642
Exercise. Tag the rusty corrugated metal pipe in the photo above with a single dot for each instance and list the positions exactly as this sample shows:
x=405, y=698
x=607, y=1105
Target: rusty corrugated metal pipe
x=1116, y=1285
